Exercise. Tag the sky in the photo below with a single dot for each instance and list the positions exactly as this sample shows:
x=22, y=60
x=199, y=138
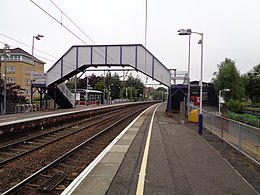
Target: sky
x=231, y=29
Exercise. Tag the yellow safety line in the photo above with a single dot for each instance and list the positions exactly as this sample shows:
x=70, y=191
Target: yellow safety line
x=140, y=185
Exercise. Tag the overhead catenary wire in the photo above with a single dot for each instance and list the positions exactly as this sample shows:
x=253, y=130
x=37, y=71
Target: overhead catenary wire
x=65, y=63
x=38, y=50
x=145, y=33
x=94, y=50
x=58, y=21
x=73, y=22
x=27, y=45
x=71, y=30
x=34, y=55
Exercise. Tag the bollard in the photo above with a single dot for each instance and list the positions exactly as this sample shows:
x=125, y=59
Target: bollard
x=200, y=123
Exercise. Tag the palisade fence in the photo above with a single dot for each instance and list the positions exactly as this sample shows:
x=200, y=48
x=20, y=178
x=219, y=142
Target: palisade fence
x=10, y=107
x=14, y=107
x=244, y=137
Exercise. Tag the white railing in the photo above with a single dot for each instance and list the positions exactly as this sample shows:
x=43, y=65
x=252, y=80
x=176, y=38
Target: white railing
x=67, y=93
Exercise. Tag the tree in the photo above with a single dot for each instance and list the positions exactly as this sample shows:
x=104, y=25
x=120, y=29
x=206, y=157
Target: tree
x=252, y=84
x=70, y=83
x=13, y=92
x=228, y=77
x=136, y=85
x=112, y=84
x=88, y=80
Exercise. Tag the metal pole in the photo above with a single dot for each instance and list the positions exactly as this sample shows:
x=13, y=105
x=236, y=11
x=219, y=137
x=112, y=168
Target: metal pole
x=169, y=103
x=5, y=105
x=31, y=71
x=33, y=47
x=189, y=77
x=240, y=137
x=5, y=78
x=219, y=103
x=201, y=91
x=131, y=93
x=75, y=90
x=46, y=99
x=38, y=37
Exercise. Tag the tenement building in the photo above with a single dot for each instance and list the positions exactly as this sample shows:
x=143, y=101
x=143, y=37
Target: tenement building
x=19, y=67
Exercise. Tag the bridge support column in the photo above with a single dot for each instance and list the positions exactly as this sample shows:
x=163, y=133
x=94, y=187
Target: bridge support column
x=169, y=102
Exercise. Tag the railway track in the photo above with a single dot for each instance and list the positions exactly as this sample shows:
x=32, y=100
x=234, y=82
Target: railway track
x=55, y=176
x=20, y=148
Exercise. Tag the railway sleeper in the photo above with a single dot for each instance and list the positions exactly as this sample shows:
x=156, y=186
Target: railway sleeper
x=52, y=182
x=6, y=154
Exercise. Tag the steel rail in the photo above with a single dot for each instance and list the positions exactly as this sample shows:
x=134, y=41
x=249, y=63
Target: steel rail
x=28, y=180
x=55, y=139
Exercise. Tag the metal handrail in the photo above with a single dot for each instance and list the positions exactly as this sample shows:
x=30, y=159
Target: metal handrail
x=67, y=93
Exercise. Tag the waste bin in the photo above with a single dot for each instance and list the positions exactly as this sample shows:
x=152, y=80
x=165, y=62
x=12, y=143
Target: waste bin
x=193, y=116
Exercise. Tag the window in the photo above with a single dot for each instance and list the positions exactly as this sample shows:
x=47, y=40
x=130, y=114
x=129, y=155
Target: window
x=10, y=69
x=11, y=80
x=27, y=60
x=15, y=57
x=28, y=71
x=27, y=82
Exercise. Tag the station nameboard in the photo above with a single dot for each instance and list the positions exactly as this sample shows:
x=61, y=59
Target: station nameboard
x=38, y=78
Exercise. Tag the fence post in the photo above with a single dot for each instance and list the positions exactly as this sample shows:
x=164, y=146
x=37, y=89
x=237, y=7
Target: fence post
x=222, y=128
x=240, y=137
x=211, y=118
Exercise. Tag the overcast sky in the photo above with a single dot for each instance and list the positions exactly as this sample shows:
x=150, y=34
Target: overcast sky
x=231, y=29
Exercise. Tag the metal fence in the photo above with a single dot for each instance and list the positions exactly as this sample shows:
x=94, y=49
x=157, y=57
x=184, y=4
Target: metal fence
x=10, y=107
x=14, y=107
x=242, y=136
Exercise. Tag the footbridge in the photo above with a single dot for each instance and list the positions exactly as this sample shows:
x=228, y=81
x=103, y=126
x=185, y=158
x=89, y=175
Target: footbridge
x=81, y=57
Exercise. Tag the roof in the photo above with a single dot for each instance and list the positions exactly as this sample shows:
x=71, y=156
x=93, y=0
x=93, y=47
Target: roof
x=86, y=90
x=20, y=51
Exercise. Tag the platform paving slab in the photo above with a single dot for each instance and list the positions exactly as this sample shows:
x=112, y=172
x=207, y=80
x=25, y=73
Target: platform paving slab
x=180, y=161
x=99, y=179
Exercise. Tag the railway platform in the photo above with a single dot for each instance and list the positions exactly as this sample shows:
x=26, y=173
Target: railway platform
x=12, y=118
x=156, y=154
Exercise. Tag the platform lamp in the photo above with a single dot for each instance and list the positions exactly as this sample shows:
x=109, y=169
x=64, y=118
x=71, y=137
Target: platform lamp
x=188, y=32
x=37, y=37
x=219, y=96
x=6, y=55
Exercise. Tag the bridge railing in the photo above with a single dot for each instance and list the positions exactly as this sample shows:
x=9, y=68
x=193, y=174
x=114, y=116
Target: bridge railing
x=243, y=137
x=67, y=93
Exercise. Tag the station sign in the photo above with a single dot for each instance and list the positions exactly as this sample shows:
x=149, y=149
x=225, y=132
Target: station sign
x=38, y=78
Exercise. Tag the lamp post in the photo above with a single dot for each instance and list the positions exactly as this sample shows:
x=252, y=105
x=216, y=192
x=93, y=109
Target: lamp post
x=37, y=37
x=219, y=96
x=6, y=54
x=188, y=32
x=109, y=93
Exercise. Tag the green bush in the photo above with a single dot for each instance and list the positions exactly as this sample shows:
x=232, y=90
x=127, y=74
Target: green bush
x=245, y=118
x=257, y=105
x=234, y=106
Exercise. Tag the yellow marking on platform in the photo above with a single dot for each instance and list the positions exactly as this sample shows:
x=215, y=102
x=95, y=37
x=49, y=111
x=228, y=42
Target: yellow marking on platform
x=140, y=185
